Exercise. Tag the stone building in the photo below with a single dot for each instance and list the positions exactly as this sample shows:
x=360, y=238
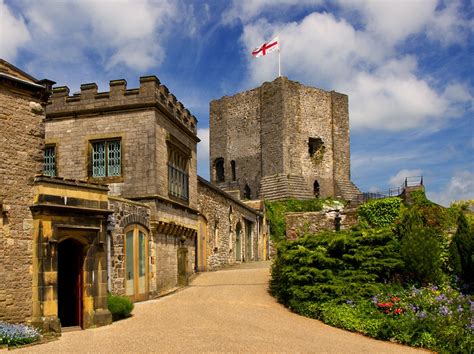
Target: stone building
x=281, y=140
x=98, y=194
x=142, y=144
x=230, y=231
x=52, y=260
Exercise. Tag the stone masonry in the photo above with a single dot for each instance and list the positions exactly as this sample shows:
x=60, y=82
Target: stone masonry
x=301, y=223
x=231, y=230
x=150, y=123
x=22, y=99
x=282, y=140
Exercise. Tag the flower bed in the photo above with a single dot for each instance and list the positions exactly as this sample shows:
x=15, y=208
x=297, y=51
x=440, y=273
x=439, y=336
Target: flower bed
x=17, y=334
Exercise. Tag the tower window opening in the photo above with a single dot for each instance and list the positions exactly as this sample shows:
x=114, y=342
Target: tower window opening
x=219, y=166
x=314, y=145
x=232, y=166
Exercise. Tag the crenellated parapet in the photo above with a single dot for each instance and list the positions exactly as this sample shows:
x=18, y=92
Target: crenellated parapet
x=151, y=93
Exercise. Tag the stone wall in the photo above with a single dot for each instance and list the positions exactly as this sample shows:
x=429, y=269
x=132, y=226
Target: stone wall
x=146, y=120
x=266, y=131
x=235, y=132
x=21, y=157
x=300, y=223
x=223, y=217
x=126, y=213
x=162, y=246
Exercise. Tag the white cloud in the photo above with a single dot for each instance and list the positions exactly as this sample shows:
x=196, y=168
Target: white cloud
x=385, y=89
x=13, y=33
x=246, y=10
x=394, y=21
x=459, y=187
x=399, y=178
x=203, y=152
x=115, y=33
x=448, y=26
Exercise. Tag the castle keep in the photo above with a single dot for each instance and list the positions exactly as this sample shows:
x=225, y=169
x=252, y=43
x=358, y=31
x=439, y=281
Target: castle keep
x=281, y=140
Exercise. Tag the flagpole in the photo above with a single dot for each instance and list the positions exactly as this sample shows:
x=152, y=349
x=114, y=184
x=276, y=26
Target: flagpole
x=279, y=63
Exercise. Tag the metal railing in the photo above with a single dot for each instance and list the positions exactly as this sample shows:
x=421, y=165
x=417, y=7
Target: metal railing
x=412, y=181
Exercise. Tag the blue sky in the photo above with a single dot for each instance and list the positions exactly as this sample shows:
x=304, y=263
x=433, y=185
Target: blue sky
x=407, y=67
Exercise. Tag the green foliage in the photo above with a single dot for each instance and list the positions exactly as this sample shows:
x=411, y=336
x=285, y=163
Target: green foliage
x=462, y=251
x=380, y=212
x=358, y=279
x=276, y=213
x=332, y=265
x=119, y=306
x=438, y=319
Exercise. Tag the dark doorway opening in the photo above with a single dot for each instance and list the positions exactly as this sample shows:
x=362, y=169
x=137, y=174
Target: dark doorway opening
x=70, y=280
x=316, y=189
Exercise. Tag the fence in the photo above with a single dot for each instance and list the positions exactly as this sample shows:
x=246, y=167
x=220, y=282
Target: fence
x=411, y=181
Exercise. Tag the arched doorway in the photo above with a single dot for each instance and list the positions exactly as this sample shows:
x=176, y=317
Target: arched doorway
x=238, y=242
x=136, y=262
x=70, y=282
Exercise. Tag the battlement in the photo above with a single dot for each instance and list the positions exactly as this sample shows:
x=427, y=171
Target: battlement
x=151, y=93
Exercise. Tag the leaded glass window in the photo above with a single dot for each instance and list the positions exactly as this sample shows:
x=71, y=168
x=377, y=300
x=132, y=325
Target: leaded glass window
x=49, y=165
x=106, y=158
x=178, y=179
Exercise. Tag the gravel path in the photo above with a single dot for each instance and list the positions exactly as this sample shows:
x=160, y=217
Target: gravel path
x=224, y=311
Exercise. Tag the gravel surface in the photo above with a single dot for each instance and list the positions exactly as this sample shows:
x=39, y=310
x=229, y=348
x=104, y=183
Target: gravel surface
x=223, y=311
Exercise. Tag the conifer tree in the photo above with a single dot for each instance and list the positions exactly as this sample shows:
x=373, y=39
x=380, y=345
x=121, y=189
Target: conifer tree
x=462, y=251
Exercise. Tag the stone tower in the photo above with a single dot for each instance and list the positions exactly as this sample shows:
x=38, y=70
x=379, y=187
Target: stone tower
x=281, y=140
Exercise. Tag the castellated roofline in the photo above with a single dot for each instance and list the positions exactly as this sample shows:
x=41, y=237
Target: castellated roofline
x=278, y=80
x=151, y=93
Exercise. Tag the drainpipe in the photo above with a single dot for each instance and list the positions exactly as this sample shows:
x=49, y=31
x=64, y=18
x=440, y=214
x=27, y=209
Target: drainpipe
x=258, y=233
x=109, y=262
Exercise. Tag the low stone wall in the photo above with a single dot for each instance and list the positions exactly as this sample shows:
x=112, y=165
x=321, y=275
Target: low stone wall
x=298, y=224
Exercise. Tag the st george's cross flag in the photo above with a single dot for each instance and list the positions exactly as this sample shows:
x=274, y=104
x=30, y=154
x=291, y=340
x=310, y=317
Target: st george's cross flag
x=266, y=48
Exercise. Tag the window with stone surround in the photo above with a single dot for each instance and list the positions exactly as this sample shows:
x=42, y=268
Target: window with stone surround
x=106, y=158
x=49, y=162
x=178, y=178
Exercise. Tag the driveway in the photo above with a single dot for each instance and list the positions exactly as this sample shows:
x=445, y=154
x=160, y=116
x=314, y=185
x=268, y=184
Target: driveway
x=224, y=311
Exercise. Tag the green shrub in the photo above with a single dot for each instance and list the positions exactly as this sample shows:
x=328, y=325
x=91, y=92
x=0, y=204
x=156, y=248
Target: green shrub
x=334, y=265
x=380, y=212
x=462, y=251
x=358, y=279
x=420, y=249
x=119, y=306
x=17, y=334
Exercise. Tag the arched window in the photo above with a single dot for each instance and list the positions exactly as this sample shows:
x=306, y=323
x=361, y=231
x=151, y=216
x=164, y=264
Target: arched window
x=219, y=169
x=247, y=192
x=316, y=189
x=232, y=166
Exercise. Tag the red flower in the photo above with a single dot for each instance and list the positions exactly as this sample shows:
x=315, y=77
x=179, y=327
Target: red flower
x=395, y=299
x=398, y=311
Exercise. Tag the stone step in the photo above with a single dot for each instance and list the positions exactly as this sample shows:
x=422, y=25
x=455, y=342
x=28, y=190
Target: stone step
x=347, y=190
